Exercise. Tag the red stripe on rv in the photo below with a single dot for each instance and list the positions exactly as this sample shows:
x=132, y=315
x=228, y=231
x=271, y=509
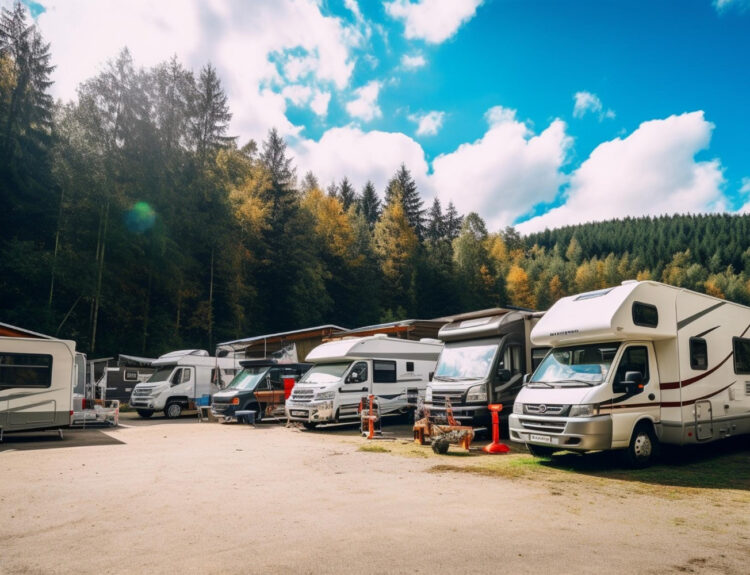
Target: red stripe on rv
x=686, y=382
x=692, y=401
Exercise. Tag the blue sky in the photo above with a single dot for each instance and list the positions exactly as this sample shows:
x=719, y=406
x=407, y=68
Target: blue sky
x=478, y=98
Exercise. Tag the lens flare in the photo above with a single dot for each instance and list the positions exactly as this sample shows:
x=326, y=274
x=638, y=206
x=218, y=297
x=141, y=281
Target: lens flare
x=140, y=218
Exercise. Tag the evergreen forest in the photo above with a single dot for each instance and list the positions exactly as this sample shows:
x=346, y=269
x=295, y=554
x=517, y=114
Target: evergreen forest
x=132, y=221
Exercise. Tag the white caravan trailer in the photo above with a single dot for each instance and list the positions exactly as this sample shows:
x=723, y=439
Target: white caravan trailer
x=36, y=383
x=182, y=380
x=635, y=365
x=345, y=371
x=485, y=357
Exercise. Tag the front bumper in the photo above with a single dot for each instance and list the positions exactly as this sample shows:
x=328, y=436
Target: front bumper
x=465, y=413
x=223, y=409
x=309, y=411
x=142, y=403
x=571, y=433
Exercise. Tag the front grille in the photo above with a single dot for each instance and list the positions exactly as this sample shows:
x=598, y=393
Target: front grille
x=546, y=426
x=440, y=399
x=302, y=395
x=546, y=409
x=142, y=391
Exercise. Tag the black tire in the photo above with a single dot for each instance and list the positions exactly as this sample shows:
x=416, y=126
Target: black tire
x=309, y=425
x=643, y=449
x=173, y=410
x=145, y=413
x=540, y=450
x=440, y=446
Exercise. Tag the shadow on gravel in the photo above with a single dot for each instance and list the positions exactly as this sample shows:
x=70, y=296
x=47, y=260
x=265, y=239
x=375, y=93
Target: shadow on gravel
x=720, y=465
x=33, y=440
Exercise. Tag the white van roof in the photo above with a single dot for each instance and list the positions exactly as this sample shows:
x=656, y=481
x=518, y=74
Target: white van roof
x=607, y=314
x=374, y=346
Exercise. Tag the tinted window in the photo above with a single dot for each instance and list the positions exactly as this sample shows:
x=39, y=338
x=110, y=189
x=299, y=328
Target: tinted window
x=698, y=353
x=741, y=355
x=384, y=371
x=645, y=314
x=409, y=366
x=130, y=375
x=25, y=370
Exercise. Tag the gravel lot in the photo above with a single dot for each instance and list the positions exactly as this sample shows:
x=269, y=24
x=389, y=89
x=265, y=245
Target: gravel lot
x=163, y=496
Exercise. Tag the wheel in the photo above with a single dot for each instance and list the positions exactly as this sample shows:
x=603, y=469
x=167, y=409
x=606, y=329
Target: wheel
x=145, y=413
x=173, y=410
x=309, y=425
x=440, y=446
x=643, y=448
x=540, y=450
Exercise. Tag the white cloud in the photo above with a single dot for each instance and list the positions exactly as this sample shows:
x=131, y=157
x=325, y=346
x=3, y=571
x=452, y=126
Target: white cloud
x=652, y=172
x=433, y=21
x=362, y=156
x=412, y=62
x=297, y=94
x=745, y=191
x=365, y=105
x=319, y=103
x=587, y=102
x=506, y=172
x=428, y=124
x=723, y=5
x=257, y=50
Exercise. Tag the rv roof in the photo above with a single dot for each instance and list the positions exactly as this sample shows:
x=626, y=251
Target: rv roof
x=285, y=335
x=8, y=330
x=374, y=347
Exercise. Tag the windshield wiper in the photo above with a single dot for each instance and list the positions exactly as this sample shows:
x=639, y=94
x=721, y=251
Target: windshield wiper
x=583, y=381
x=444, y=378
x=541, y=383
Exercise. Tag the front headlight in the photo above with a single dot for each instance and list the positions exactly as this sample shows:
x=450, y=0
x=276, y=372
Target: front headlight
x=518, y=408
x=324, y=395
x=476, y=394
x=428, y=395
x=586, y=410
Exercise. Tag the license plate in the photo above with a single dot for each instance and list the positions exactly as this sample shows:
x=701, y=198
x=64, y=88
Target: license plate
x=294, y=413
x=540, y=438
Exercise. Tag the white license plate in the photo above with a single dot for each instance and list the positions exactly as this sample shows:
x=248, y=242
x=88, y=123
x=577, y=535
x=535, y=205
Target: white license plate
x=540, y=438
x=295, y=413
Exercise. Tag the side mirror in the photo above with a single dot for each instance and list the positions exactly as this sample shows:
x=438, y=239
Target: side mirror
x=633, y=383
x=503, y=375
x=526, y=377
x=432, y=374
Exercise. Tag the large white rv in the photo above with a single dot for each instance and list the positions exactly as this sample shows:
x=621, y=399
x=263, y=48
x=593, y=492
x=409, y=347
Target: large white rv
x=635, y=365
x=345, y=371
x=182, y=380
x=36, y=383
x=485, y=357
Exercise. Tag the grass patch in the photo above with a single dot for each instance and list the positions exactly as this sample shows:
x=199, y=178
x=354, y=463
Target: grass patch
x=374, y=449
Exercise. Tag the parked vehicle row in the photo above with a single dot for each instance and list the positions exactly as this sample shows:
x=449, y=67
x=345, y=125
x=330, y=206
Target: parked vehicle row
x=625, y=368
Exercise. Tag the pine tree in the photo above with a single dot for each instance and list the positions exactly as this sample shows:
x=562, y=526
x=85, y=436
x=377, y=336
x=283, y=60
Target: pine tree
x=346, y=194
x=309, y=183
x=369, y=204
x=403, y=185
x=453, y=222
x=212, y=114
x=436, y=225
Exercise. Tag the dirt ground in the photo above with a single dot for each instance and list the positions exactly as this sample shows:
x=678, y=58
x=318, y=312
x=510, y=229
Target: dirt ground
x=162, y=496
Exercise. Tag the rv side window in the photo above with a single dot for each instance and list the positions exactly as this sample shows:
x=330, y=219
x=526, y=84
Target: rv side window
x=409, y=366
x=645, y=314
x=130, y=375
x=384, y=371
x=635, y=358
x=25, y=370
x=698, y=353
x=185, y=374
x=741, y=355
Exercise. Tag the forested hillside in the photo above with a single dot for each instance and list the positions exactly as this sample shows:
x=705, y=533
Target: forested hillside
x=132, y=221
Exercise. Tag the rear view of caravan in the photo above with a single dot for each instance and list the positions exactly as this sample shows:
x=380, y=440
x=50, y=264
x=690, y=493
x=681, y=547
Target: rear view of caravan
x=36, y=383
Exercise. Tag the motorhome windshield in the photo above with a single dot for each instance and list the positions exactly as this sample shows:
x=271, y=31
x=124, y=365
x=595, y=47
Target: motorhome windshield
x=465, y=362
x=325, y=373
x=576, y=365
x=161, y=374
x=248, y=378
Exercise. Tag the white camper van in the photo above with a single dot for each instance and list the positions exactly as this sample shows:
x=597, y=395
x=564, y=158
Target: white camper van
x=36, y=383
x=345, y=371
x=485, y=357
x=635, y=365
x=182, y=380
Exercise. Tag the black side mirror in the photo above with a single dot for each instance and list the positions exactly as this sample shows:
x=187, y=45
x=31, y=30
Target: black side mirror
x=503, y=375
x=526, y=377
x=633, y=383
x=432, y=374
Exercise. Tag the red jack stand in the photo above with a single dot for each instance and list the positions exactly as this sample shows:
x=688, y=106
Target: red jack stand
x=496, y=446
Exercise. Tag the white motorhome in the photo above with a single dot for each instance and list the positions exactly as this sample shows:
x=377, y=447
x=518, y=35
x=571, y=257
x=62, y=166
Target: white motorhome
x=485, y=357
x=37, y=377
x=345, y=371
x=635, y=365
x=182, y=380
